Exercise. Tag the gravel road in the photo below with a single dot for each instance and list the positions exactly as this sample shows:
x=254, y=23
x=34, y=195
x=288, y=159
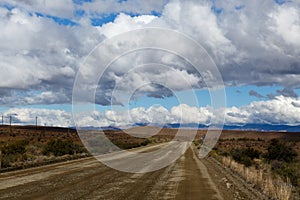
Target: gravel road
x=87, y=178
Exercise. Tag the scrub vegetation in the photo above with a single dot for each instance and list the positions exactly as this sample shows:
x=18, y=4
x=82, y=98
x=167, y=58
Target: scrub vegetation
x=271, y=165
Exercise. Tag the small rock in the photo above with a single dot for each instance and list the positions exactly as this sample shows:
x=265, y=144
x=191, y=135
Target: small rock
x=228, y=185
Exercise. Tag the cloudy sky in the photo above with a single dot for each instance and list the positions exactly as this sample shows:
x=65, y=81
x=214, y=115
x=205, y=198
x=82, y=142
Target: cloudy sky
x=255, y=45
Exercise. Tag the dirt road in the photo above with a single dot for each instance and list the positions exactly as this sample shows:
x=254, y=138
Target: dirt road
x=187, y=178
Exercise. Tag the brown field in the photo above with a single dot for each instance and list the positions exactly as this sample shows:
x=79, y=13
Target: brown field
x=215, y=177
x=38, y=137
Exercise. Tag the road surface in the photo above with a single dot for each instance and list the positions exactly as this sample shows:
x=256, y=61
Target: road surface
x=187, y=178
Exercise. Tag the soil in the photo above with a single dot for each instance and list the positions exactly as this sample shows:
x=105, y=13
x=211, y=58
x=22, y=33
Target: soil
x=187, y=178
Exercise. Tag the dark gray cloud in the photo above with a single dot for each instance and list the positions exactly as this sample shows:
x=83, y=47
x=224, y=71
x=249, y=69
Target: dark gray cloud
x=255, y=94
x=163, y=92
x=236, y=115
x=287, y=92
x=271, y=96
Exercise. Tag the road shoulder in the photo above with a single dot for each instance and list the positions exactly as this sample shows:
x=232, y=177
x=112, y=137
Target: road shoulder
x=230, y=184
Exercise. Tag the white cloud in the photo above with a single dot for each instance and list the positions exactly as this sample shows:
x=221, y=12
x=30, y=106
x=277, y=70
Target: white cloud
x=252, y=42
x=287, y=24
x=47, y=97
x=45, y=116
x=281, y=110
x=188, y=114
x=124, y=23
x=151, y=81
x=38, y=55
x=197, y=20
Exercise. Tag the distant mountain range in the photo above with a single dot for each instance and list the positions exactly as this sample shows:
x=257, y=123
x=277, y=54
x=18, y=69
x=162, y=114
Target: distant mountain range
x=246, y=127
x=256, y=127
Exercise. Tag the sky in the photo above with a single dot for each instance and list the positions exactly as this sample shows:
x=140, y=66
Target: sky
x=254, y=44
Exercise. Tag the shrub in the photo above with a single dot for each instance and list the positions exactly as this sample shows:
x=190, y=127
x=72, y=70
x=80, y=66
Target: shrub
x=252, y=153
x=280, y=151
x=286, y=170
x=282, y=160
x=244, y=156
x=273, y=186
x=13, y=152
x=125, y=144
x=223, y=152
x=62, y=147
x=146, y=142
x=260, y=139
x=17, y=147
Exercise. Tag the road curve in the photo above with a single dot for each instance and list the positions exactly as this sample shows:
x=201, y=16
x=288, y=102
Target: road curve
x=187, y=178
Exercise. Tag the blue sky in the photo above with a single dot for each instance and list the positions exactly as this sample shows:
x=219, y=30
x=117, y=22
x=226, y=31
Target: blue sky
x=258, y=57
x=235, y=96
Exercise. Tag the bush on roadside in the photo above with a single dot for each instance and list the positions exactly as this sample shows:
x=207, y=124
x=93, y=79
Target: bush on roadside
x=283, y=161
x=62, y=147
x=280, y=151
x=13, y=152
x=130, y=145
x=17, y=147
x=286, y=170
x=245, y=156
x=146, y=142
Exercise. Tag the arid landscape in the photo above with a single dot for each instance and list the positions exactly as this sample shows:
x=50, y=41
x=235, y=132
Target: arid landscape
x=32, y=169
x=149, y=100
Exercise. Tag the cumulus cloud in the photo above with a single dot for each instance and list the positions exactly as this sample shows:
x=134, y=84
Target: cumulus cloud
x=296, y=104
x=39, y=56
x=252, y=43
x=124, y=23
x=287, y=24
x=45, y=116
x=281, y=110
x=241, y=38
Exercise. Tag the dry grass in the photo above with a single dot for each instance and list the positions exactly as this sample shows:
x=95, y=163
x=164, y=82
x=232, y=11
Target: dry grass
x=273, y=186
